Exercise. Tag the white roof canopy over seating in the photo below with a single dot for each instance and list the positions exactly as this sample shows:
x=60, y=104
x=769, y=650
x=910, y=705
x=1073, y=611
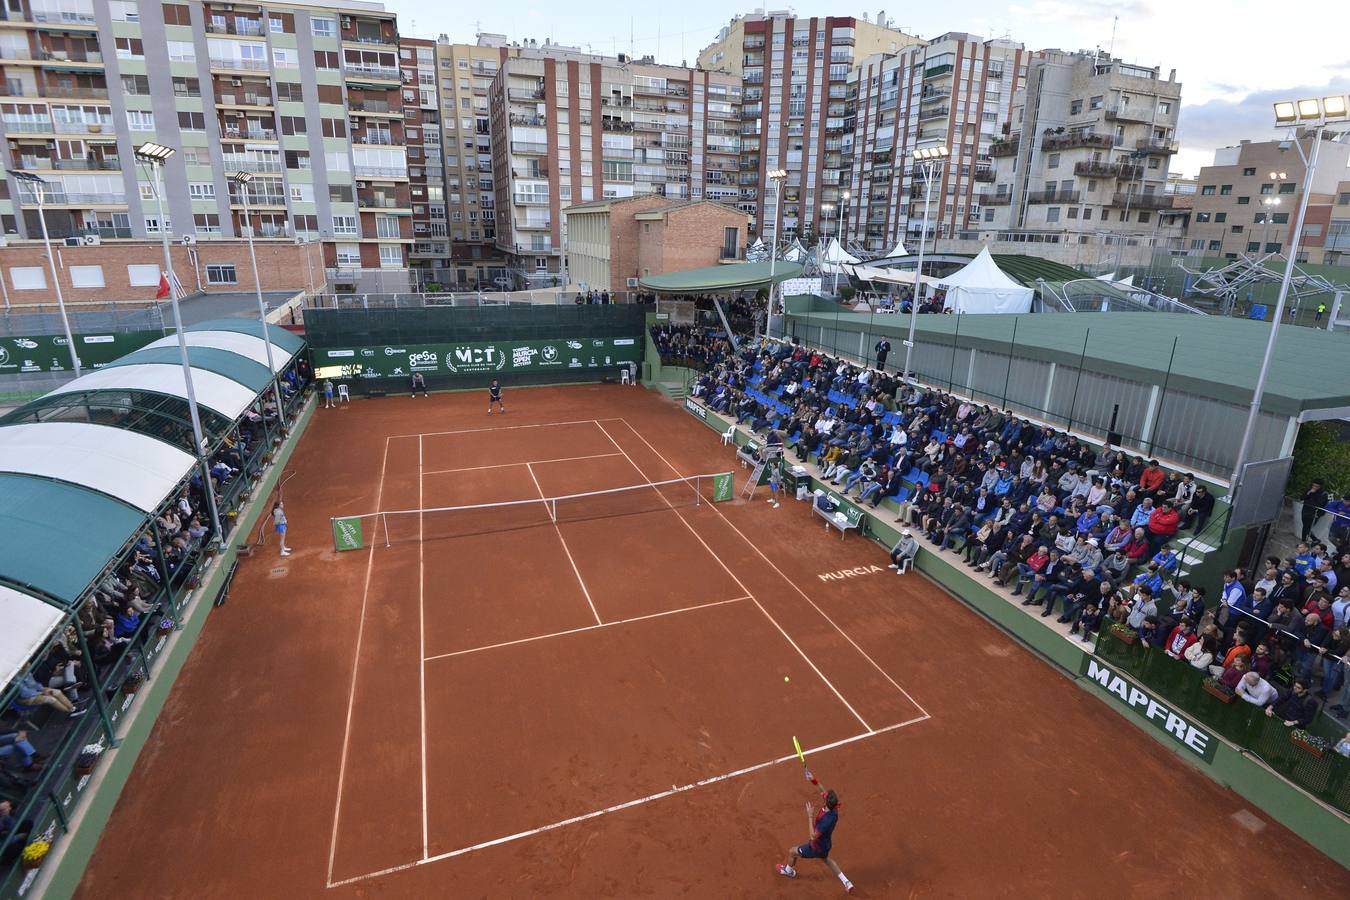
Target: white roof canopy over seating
x=28, y=624
x=215, y=392
x=897, y=251
x=246, y=345
x=982, y=287
x=834, y=253
x=135, y=468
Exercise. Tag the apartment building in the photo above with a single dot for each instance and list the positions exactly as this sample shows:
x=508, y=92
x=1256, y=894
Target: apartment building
x=1084, y=163
x=955, y=92
x=569, y=127
x=426, y=163
x=305, y=97
x=795, y=109
x=1246, y=202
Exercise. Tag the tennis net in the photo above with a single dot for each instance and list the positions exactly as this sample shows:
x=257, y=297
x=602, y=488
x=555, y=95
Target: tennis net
x=438, y=523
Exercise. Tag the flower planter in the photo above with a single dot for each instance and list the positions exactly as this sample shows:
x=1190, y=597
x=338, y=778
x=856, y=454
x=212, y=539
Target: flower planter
x=1217, y=692
x=1125, y=637
x=1311, y=749
x=131, y=685
x=34, y=854
x=84, y=771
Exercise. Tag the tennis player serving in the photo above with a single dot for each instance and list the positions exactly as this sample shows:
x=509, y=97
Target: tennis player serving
x=821, y=825
x=495, y=397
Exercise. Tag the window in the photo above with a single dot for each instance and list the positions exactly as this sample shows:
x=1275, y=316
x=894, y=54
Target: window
x=152, y=226
x=137, y=85
x=731, y=242
x=297, y=159
x=1343, y=200
x=1076, y=108
x=191, y=121
x=140, y=120
x=1215, y=245
x=1207, y=191
x=86, y=276
x=323, y=27
x=1052, y=161
x=1249, y=171
x=302, y=193
x=1225, y=190
x=143, y=276
x=221, y=273
x=1164, y=107
x=29, y=278
x=290, y=90
x=1273, y=247
x=176, y=14
x=1267, y=188
x=386, y=226
x=1286, y=187
x=334, y=128
x=1221, y=217
x=1253, y=246
x=344, y=225
x=187, y=87
x=349, y=254
x=1052, y=214
x=1202, y=217
x=1279, y=218
x=1244, y=201
x=1236, y=229
x=276, y=25
x=181, y=51
x=206, y=223
x=202, y=190
x=1095, y=103
x=391, y=255
x=292, y=124
x=325, y=59
x=147, y=190
x=129, y=48
x=285, y=59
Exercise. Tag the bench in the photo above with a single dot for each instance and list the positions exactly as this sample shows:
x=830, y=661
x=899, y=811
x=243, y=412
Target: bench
x=844, y=517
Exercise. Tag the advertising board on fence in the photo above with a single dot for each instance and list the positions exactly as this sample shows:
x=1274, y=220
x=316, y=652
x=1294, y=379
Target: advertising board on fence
x=1151, y=709
x=50, y=352
x=496, y=358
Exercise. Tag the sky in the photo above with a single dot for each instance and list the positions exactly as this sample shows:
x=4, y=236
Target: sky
x=1233, y=58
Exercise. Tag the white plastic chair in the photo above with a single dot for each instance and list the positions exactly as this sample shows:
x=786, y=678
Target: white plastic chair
x=343, y=394
x=729, y=436
x=625, y=377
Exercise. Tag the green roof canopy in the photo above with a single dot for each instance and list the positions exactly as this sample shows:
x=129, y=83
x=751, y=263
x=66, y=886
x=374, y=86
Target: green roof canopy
x=233, y=366
x=720, y=279
x=290, y=342
x=1216, y=356
x=57, y=537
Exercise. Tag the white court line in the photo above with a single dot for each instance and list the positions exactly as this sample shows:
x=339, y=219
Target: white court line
x=356, y=663
x=532, y=462
x=540, y=637
x=739, y=584
x=575, y=570
x=422, y=640
x=784, y=576
x=502, y=428
x=628, y=805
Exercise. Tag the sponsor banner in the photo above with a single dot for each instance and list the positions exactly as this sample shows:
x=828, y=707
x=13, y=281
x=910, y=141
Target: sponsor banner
x=722, y=487
x=347, y=534
x=494, y=358
x=1148, y=707
x=49, y=352
x=696, y=408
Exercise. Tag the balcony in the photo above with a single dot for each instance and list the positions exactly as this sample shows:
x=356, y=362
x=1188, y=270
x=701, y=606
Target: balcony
x=615, y=125
x=1004, y=148
x=935, y=112
x=244, y=99
x=62, y=198
x=1074, y=140
x=1156, y=146
x=938, y=71
x=525, y=95
x=987, y=199
x=1142, y=201
x=256, y=199
x=379, y=172
x=375, y=139
x=105, y=231
x=1053, y=197
x=76, y=93
x=235, y=162
x=371, y=106
x=531, y=199
x=984, y=174
x=935, y=93
x=88, y=164
x=380, y=203
x=1123, y=113
x=250, y=134
x=543, y=224
x=1094, y=169
x=361, y=70
x=242, y=27
x=60, y=127
x=528, y=147
x=252, y=65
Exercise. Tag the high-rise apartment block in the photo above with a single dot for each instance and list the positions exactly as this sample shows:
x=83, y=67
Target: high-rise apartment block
x=307, y=98
x=955, y=91
x=1085, y=158
x=570, y=127
x=795, y=112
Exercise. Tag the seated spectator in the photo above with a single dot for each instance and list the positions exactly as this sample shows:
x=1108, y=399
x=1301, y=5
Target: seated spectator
x=904, y=551
x=1180, y=639
x=30, y=693
x=1201, y=653
x=1296, y=708
x=1256, y=690
x=15, y=743
x=1230, y=675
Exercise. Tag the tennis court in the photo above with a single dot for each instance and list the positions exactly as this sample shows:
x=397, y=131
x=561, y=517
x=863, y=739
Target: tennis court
x=455, y=711
x=572, y=657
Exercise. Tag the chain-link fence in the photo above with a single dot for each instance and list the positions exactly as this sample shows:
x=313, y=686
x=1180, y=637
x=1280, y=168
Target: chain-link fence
x=417, y=300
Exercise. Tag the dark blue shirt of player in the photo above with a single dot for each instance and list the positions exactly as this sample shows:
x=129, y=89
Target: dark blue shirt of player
x=826, y=819
x=494, y=391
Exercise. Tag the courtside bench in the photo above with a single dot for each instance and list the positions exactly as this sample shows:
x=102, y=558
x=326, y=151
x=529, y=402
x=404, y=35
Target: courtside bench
x=845, y=516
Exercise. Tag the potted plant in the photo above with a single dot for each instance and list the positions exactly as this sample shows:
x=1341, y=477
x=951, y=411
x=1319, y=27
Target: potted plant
x=166, y=625
x=133, y=682
x=35, y=853
x=88, y=758
x=1221, y=692
x=1311, y=743
x=1124, y=633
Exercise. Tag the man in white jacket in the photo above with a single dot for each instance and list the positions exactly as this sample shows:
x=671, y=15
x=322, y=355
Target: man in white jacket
x=1256, y=690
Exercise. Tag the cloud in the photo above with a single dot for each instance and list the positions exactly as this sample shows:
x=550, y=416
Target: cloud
x=1224, y=122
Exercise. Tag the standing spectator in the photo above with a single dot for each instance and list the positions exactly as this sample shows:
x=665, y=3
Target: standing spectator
x=1297, y=708
x=1314, y=503
x=1256, y=690
x=883, y=349
x=1201, y=508
x=279, y=523
x=1181, y=639
x=328, y=393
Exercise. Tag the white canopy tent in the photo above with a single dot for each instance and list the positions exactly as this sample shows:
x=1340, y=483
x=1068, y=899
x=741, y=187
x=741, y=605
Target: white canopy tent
x=28, y=624
x=888, y=276
x=132, y=467
x=982, y=287
x=246, y=345
x=834, y=253
x=897, y=251
x=794, y=253
x=215, y=392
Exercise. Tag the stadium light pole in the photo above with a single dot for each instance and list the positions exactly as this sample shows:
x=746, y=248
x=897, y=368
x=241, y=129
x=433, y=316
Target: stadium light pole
x=39, y=188
x=775, y=177
x=155, y=156
x=930, y=161
x=838, y=236
x=242, y=180
x=1290, y=113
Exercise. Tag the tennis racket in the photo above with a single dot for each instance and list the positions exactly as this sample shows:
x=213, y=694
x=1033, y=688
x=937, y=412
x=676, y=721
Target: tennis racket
x=797, y=745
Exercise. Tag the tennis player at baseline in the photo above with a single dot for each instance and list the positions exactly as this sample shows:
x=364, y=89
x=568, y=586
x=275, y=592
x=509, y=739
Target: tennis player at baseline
x=495, y=397
x=822, y=825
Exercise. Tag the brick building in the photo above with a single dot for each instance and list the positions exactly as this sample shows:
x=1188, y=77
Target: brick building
x=130, y=270
x=612, y=243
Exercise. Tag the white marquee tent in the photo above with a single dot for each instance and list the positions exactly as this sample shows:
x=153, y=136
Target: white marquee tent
x=982, y=287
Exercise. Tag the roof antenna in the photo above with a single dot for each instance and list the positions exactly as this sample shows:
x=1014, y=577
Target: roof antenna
x=1115, y=20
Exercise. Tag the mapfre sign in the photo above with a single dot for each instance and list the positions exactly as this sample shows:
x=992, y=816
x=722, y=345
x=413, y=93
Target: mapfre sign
x=1151, y=709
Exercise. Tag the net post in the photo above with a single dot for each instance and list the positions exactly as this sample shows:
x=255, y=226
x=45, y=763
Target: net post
x=384, y=520
x=698, y=490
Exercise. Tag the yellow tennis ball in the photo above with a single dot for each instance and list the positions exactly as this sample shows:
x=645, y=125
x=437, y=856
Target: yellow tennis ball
x=785, y=678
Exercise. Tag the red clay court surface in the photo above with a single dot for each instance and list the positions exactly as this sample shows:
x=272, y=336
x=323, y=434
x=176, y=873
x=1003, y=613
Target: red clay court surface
x=597, y=707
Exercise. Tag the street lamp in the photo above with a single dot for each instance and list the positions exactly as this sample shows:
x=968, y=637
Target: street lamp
x=775, y=177
x=242, y=180
x=930, y=160
x=1270, y=203
x=1290, y=113
x=838, y=234
x=39, y=188
x=155, y=156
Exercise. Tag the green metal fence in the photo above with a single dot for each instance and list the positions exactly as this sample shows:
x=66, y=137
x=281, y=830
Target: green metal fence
x=1325, y=774
x=430, y=325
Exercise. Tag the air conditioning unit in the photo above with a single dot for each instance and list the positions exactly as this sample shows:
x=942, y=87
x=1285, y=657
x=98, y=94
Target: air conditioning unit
x=346, y=22
x=188, y=240
x=91, y=240
x=301, y=241
x=632, y=282
x=75, y=241
x=236, y=82
x=362, y=184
